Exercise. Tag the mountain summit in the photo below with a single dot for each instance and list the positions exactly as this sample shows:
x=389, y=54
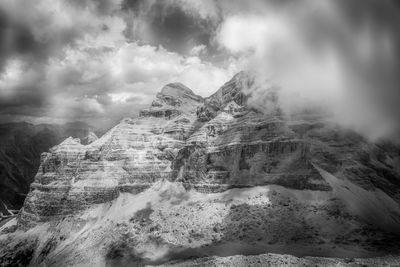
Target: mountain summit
x=192, y=177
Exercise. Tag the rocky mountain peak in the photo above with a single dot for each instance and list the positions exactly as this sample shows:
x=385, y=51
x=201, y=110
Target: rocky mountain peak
x=90, y=138
x=175, y=99
x=231, y=98
x=216, y=172
x=235, y=90
x=68, y=144
x=177, y=90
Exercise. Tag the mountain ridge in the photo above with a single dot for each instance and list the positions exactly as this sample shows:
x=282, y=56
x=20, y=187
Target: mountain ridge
x=21, y=144
x=198, y=176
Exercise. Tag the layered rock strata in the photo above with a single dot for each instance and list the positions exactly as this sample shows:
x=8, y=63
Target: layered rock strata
x=21, y=145
x=210, y=145
x=129, y=158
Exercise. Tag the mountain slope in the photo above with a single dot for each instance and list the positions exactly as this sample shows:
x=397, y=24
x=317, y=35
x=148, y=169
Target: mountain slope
x=20, y=147
x=193, y=177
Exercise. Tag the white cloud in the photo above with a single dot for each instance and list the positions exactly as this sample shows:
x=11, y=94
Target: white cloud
x=81, y=65
x=197, y=50
x=204, y=78
x=335, y=66
x=133, y=63
x=91, y=105
x=242, y=33
x=10, y=77
x=206, y=9
x=124, y=73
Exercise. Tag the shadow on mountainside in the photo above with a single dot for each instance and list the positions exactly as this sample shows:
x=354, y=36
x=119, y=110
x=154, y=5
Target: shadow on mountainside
x=285, y=225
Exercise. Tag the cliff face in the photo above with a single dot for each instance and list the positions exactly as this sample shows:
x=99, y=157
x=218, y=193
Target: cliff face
x=129, y=158
x=20, y=147
x=209, y=145
x=193, y=176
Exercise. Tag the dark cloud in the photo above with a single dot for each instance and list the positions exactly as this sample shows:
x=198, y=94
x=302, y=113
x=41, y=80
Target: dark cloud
x=179, y=31
x=17, y=39
x=93, y=59
x=34, y=36
x=20, y=34
x=131, y=5
x=99, y=7
x=40, y=30
x=167, y=23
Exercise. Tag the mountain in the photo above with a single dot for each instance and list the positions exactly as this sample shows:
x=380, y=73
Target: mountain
x=20, y=147
x=194, y=180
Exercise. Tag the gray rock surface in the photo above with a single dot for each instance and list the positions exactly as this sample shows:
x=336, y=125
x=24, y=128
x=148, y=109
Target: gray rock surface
x=193, y=176
x=20, y=147
x=230, y=146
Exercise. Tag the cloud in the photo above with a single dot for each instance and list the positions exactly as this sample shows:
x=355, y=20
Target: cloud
x=243, y=33
x=102, y=60
x=106, y=82
x=324, y=55
x=39, y=29
x=10, y=77
x=32, y=35
x=177, y=25
x=80, y=65
x=205, y=78
x=197, y=50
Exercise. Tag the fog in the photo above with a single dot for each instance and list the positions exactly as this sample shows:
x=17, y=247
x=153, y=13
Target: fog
x=332, y=55
x=99, y=61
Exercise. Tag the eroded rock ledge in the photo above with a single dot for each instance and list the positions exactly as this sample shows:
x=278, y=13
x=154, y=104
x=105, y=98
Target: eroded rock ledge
x=209, y=144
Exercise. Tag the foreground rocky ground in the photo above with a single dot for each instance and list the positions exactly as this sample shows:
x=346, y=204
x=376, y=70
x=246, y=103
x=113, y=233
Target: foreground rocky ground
x=287, y=260
x=215, y=181
x=167, y=223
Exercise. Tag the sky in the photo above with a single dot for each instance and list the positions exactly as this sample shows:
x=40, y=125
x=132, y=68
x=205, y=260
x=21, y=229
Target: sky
x=99, y=61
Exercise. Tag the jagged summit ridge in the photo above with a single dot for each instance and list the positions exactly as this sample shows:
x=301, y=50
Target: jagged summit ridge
x=208, y=145
x=174, y=100
x=179, y=90
x=196, y=175
x=235, y=90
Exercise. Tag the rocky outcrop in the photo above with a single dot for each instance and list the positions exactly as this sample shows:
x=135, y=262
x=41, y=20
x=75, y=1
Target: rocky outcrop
x=235, y=90
x=129, y=158
x=283, y=260
x=90, y=138
x=193, y=176
x=208, y=145
x=247, y=151
x=20, y=147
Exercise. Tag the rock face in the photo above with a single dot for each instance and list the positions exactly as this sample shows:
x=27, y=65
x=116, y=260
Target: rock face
x=90, y=138
x=20, y=147
x=129, y=158
x=193, y=176
x=209, y=145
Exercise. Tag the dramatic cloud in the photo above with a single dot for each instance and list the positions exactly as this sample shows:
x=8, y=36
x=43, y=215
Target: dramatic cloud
x=99, y=61
x=333, y=55
x=177, y=25
x=80, y=63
